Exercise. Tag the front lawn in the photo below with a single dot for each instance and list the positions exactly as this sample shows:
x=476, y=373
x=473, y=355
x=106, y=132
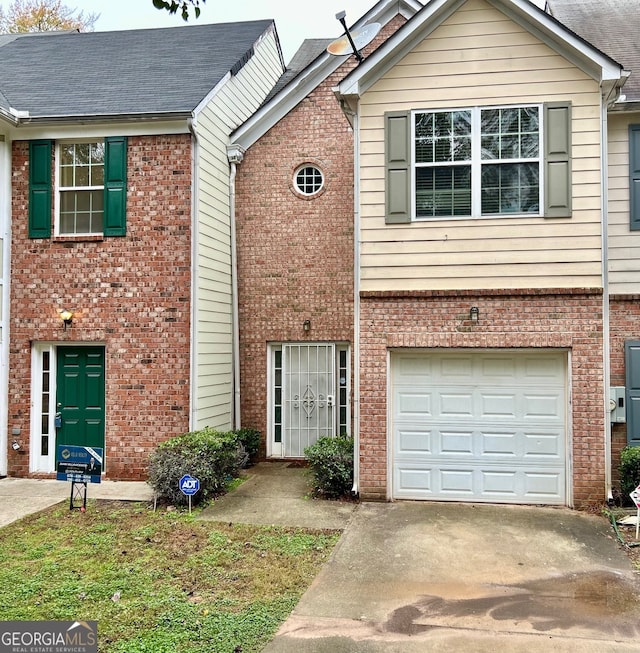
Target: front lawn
x=157, y=582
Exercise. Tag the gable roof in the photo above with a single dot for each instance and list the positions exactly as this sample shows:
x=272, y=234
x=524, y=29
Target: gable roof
x=613, y=26
x=584, y=55
x=159, y=72
x=295, y=85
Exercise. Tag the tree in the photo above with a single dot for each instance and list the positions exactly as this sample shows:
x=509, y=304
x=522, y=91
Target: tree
x=43, y=16
x=184, y=6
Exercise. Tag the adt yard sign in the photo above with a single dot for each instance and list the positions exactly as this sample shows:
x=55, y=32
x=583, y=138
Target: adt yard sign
x=189, y=485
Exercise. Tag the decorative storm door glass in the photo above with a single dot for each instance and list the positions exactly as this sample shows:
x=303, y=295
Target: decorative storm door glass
x=308, y=399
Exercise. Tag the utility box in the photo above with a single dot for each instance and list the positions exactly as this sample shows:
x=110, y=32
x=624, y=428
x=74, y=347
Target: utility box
x=617, y=404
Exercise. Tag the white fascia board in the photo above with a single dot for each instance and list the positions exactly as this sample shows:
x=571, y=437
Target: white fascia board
x=311, y=77
x=588, y=58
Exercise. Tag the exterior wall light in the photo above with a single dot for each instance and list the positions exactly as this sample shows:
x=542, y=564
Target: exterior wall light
x=306, y=326
x=15, y=445
x=474, y=313
x=66, y=316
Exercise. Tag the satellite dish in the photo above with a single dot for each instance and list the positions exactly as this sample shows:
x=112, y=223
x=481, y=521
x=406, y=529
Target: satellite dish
x=355, y=41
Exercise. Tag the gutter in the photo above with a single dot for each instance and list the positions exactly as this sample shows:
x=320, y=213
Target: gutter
x=235, y=154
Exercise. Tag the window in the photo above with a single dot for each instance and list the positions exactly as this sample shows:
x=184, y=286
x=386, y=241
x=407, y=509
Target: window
x=481, y=161
x=90, y=188
x=308, y=180
x=80, y=188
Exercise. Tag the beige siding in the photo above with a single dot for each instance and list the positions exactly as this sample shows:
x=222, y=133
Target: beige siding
x=479, y=57
x=230, y=106
x=623, y=244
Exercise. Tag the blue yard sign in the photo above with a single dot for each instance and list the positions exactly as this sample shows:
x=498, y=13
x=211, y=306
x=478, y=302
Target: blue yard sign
x=189, y=485
x=79, y=464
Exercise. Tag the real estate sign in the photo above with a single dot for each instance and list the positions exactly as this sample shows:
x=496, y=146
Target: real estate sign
x=79, y=464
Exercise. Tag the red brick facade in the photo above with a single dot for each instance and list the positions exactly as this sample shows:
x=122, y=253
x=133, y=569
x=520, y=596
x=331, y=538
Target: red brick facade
x=130, y=294
x=624, y=325
x=563, y=320
x=295, y=254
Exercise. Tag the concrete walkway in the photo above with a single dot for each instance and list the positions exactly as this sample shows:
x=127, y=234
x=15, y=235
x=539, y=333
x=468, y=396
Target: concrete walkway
x=278, y=494
x=20, y=497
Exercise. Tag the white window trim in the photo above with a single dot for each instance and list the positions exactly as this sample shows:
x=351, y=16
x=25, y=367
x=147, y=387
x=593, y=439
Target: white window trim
x=476, y=163
x=37, y=462
x=58, y=188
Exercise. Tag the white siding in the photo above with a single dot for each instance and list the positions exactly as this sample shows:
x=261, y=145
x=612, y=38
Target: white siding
x=229, y=107
x=479, y=57
x=624, y=244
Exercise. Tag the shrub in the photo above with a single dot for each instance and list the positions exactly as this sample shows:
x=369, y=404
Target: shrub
x=331, y=465
x=250, y=439
x=208, y=455
x=629, y=472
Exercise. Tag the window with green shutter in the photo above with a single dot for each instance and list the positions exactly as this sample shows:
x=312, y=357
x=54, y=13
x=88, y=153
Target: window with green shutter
x=478, y=162
x=90, y=188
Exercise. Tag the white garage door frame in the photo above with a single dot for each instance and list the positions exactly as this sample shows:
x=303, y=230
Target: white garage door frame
x=466, y=466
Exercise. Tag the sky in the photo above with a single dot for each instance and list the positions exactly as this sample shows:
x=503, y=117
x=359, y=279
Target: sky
x=295, y=21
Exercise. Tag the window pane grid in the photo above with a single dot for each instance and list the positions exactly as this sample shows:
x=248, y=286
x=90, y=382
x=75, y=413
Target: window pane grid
x=81, y=188
x=309, y=180
x=504, y=162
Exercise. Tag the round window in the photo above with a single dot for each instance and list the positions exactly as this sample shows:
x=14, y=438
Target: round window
x=309, y=180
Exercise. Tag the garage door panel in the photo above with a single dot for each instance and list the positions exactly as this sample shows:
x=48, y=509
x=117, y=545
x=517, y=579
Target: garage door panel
x=495, y=430
x=414, y=403
x=414, y=442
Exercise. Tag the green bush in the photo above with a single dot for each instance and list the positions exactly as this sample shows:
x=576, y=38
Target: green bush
x=250, y=439
x=210, y=456
x=629, y=472
x=331, y=465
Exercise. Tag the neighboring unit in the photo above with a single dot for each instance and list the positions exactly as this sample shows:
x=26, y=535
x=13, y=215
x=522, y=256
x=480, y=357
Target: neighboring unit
x=115, y=184
x=480, y=137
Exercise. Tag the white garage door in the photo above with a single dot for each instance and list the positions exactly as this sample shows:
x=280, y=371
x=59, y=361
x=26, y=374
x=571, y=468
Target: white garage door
x=479, y=426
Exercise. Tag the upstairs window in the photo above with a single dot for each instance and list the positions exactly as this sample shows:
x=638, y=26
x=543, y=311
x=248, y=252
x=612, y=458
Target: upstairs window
x=477, y=162
x=80, y=188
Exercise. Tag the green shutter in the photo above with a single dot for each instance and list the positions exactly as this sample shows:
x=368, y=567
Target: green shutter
x=557, y=160
x=40, y=157
x=397, y=167
x=115, y=186
x=634, y=177
x=632, y=373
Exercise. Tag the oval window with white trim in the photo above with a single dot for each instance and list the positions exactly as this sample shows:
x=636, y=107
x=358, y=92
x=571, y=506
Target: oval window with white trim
x=309, y=180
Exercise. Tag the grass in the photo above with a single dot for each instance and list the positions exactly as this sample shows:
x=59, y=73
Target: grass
x=157, y=582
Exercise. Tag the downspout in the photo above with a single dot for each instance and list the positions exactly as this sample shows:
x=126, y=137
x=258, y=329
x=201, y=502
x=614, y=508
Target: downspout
x=195, y=226
x=235, y=154
x=604, y=164
x=353, y=115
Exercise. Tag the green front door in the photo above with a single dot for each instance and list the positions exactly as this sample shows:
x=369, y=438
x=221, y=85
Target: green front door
x=80, y=396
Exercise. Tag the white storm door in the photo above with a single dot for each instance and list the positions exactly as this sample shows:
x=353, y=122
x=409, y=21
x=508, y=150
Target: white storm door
x=308, y=387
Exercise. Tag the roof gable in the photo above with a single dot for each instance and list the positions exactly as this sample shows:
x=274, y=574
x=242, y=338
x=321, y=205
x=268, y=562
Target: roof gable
x=589, y=59
x=136, y=72
x=296, y=84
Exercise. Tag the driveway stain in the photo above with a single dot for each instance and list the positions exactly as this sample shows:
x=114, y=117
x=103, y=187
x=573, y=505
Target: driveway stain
x=602, y=601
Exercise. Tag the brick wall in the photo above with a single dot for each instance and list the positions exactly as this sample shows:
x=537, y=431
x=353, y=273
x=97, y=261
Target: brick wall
x=131, y=294
x=295, y=254
x=533, y=319
x=624, y=325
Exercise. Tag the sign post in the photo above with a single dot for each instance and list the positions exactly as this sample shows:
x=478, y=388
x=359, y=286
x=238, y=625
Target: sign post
x=635, y=496
x=189, y=485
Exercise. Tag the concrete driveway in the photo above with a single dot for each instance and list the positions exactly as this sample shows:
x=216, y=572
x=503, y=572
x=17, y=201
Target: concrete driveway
x=431, y=577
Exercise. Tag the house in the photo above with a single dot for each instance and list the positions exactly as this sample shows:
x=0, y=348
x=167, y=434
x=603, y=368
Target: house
x=481, y=154
x=117, y=293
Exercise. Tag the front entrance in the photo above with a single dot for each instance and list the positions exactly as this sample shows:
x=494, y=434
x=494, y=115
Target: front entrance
x=69, y=401
x=309, y=394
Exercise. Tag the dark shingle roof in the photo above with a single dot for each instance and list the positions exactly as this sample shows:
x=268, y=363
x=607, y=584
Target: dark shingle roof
x=612, y=26
x=151, y=71
x=307, y=52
